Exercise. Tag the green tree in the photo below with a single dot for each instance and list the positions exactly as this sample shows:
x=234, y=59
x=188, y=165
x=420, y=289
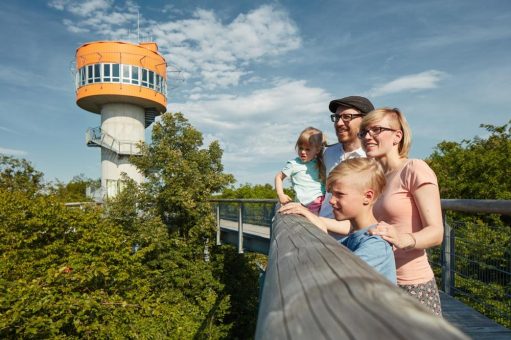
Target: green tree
x=88, y=273
x=19, y=175
x=476, y=168
x=248, y=190
x=479, y=169
x=181, y=176
x=74, y=190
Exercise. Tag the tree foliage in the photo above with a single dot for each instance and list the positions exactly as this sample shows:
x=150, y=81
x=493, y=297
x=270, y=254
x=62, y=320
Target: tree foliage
x=248, y=190
x=476, y=168
x=19, y=175
x=136, y=267
x=74, y=190
x=181, y=176
x=479, y=169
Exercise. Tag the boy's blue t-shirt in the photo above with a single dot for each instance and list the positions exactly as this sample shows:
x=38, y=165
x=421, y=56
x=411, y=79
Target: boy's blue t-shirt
x=374, y=250
x=304, y=179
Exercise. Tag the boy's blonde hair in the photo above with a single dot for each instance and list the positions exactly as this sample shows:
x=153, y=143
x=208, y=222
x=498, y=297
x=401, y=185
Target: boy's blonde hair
x=369, y=174
x=398, y=122
x=314, y=138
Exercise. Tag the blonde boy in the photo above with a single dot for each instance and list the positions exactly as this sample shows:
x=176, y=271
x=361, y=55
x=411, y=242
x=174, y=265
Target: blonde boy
x=355, y=184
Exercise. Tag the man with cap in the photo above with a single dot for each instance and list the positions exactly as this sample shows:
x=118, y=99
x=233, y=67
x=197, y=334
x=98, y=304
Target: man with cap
x=346, y=115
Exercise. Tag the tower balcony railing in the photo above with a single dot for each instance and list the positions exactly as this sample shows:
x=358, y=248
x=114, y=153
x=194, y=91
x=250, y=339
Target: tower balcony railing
x=95, y=137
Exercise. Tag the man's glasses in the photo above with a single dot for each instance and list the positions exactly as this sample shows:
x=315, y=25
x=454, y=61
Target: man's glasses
x=374, y=131
x=345, y=117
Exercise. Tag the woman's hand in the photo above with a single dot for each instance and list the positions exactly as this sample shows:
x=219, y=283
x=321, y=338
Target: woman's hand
x=390, y=234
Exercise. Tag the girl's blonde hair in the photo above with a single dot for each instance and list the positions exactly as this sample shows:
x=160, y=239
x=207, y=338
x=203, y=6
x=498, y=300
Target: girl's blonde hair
x=314, y=138
x=398, y=122
x=368, y=171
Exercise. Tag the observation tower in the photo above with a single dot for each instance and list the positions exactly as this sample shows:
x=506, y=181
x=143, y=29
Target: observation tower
x=126, y=84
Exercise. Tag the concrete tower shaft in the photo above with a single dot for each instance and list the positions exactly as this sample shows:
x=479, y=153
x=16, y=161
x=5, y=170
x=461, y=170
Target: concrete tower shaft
x=125, y=124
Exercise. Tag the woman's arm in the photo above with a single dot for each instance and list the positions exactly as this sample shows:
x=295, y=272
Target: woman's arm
x=427, y=199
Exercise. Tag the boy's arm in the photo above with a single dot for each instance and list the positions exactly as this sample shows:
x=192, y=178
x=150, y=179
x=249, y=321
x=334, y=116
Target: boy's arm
x=337, y=227
x=297, y=208
x=326, y=224
x=283, y=198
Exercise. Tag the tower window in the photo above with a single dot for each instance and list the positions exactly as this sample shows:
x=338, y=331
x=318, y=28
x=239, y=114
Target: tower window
x=134, y=75
x=115, y=73
x=97, y=73
x=126, y=73
x=144, y=77
x=106, y=72
x=151, y=79
x=89, y=74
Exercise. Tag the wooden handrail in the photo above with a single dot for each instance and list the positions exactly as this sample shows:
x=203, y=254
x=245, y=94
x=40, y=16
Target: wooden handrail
x=478, y=206
x=317, y=289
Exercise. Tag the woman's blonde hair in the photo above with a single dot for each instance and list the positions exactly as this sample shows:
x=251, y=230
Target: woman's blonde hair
x=398, y=122
x=314, y=138
x=369, y=174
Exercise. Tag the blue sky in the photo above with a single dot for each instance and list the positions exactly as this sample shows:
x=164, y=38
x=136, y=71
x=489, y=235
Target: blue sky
x=253, y=74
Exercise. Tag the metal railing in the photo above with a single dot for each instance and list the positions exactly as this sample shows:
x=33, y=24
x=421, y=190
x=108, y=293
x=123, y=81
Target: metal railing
x=261, y=214
x=474, y=262
x=97, y=137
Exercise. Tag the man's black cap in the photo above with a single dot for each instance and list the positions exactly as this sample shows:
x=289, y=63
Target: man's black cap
x=355, y=102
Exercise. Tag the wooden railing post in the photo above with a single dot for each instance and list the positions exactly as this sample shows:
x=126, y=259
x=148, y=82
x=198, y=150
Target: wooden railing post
x=240, y=228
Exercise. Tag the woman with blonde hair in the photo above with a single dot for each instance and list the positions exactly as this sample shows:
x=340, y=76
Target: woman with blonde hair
x=409, y=204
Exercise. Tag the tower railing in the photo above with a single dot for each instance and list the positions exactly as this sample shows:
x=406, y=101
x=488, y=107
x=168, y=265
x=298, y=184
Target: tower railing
x=95, y=137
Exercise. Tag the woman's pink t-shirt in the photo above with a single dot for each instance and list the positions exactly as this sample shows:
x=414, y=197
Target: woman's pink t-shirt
x=396, y=206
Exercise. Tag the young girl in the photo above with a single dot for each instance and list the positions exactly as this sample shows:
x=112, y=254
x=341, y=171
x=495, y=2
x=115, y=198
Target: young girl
x=307, y=171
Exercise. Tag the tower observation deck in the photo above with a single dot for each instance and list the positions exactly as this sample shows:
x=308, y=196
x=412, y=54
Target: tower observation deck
x=126, y=84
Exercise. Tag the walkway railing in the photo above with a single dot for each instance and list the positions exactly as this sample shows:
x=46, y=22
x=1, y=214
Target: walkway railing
x=97, y=137
x=316, y=288
x=473, y=264
x=260, y=213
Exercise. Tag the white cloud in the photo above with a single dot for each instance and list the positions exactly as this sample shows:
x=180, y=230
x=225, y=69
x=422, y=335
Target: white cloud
x=260, y=126
x=82, y=8
x=411, y=82
x=202, y=47
x=12, y=152
x=3, y=128
x=221, y=52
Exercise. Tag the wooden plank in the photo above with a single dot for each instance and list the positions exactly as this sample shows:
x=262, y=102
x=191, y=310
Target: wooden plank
x=316, y=288
x=470, y=321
